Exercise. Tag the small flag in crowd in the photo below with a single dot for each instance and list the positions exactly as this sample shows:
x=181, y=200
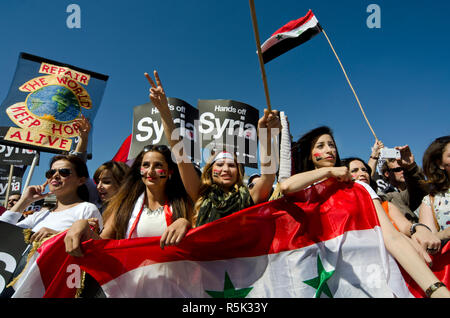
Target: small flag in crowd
x=324, y=241
x=292, y=34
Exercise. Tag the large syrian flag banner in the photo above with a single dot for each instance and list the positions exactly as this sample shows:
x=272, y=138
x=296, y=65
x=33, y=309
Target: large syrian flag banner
x=324, y=241
x=44, y=99
x=289, y=36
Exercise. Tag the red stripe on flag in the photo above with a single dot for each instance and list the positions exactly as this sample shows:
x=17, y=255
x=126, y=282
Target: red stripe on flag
x=295, y=23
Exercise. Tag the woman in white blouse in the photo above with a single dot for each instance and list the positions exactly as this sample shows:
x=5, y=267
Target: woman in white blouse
x=66, y=180
x=150, y=202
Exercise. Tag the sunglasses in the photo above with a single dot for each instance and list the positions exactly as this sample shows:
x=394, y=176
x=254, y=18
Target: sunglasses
x=63, y=172
x=160, y=148
x=398, y=169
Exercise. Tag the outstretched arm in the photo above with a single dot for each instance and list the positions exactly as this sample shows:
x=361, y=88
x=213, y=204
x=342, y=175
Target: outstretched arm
x=303, y=180
x=187, y=170
x=374, y=156
x=268, y=127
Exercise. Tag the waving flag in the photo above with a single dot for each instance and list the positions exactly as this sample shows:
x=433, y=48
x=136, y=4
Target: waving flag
x=292, y=34
x=122, y=153
x=324, y=241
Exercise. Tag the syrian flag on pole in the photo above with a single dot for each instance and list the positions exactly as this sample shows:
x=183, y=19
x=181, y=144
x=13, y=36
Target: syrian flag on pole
x=292, y=34
x=324, y=241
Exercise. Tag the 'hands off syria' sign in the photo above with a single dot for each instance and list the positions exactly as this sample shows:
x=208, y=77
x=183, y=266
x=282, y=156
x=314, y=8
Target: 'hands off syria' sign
x=44, y=100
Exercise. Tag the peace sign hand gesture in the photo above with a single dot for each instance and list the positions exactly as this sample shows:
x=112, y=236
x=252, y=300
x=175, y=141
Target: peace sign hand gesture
x=157, y=94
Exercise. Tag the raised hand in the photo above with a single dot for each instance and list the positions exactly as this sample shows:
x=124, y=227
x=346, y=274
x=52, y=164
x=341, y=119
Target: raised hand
x=270, y=120
x=376, y=149
x=83, y=125
x=406, y=156
x=35, y=193
x=157, y=94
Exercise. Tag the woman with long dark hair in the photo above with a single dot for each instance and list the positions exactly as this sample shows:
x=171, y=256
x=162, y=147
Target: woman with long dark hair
x=150, y=202
x=317, y=159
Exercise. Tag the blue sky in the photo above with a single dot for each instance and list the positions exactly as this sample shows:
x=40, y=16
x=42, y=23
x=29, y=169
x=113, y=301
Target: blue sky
x=205, y=49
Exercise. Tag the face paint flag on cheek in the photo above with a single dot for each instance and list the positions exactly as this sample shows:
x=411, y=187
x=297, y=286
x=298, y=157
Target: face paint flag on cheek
x=317, y=156
x=161, y=173
x=216, y=173
x=142, y=171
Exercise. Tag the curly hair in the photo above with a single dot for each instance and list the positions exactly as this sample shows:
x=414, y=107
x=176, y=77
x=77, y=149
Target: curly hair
x=437, y=178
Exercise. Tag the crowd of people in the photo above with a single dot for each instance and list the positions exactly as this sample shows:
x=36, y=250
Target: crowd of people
x=159, y=196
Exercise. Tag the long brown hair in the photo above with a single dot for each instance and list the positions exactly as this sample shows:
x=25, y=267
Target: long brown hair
x=207, y=181
x=122, y=203
x=437, y=178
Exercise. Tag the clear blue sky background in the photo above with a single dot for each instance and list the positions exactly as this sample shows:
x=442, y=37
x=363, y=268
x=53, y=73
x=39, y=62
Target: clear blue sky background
x=205, y=49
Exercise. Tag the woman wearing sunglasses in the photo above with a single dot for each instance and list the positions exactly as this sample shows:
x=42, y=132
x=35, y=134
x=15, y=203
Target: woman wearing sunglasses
x=220, y=190
x=66, y=180
x=316, y=159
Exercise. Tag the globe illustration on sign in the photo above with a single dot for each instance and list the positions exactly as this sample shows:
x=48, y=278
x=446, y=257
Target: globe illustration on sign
x=55, y=103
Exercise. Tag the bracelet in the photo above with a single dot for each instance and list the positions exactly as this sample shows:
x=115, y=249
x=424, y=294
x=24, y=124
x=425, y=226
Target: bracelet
x=413, y=227
x=433, y=288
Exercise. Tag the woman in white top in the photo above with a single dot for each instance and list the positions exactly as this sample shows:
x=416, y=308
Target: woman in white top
x=316, y=158
x=150, y=202
x=66, y=180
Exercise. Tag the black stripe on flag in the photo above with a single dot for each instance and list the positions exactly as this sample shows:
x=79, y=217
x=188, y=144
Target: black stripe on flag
x=289, y=43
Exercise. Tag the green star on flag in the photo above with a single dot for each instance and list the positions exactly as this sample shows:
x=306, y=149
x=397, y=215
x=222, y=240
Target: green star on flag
x=320, y=282
x=229, y=291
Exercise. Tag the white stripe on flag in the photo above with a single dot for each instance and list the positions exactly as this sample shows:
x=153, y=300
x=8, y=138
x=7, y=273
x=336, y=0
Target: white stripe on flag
x=363, y=268
x=29, y=284
x=274, y=39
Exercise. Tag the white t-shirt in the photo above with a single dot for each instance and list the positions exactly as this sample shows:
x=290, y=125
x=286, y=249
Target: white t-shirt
x=369, y=189
x=58, y=221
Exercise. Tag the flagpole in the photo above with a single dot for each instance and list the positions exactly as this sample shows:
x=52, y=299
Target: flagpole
x=11, y=169
x=354, y=93
x=258, y=47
